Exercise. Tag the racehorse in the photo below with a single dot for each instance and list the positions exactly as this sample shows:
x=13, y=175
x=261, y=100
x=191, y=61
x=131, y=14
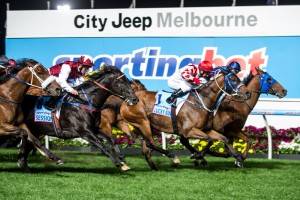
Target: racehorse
x=80, y=115
x=13, y=87
x=233, y=113
x=192, y=118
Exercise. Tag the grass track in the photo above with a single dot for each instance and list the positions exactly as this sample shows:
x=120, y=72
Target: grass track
x=93, y=176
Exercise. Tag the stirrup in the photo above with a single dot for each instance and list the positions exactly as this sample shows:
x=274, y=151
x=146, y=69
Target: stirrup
x=169, y=100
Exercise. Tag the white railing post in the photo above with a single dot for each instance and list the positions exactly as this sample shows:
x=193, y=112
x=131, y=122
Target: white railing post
x=163, y=140
x=47, y=141
x=269, y=138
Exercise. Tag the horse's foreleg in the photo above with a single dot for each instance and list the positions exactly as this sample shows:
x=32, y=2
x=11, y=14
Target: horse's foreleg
x=117, y=151
x=150, y=143
x=217, y=136
x=94, y=140
x=244, y=137
x=198, y=134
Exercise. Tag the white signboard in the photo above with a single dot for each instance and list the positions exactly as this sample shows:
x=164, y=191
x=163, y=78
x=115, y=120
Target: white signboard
x=185, y=22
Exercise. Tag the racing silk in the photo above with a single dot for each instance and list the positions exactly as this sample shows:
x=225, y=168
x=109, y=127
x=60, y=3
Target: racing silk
x=67, y=75
x=189, y=72
x=56, y=69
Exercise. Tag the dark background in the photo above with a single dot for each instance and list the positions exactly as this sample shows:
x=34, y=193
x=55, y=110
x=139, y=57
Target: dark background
x=104, y=4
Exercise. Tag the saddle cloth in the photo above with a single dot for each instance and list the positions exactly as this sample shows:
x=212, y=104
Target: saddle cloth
x=161, y=107
x=41, y=113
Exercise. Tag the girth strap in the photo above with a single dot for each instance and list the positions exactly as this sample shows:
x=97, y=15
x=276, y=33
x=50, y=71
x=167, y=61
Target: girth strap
x=174, y=118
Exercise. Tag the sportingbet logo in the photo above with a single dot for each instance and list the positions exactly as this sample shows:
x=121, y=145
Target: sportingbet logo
x=148, y=63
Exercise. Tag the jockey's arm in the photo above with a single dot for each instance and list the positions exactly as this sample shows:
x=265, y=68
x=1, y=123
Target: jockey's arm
x=63, y=77
x=188, y=72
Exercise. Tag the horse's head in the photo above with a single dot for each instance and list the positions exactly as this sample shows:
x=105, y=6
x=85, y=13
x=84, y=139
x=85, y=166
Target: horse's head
x=117, y=84
x=269, y=85
x=39, y=74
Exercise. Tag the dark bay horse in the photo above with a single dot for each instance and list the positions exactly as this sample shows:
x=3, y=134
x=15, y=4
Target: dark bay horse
x=13, y=87
x=233, y=113
x=80, y=115
x=192, y=119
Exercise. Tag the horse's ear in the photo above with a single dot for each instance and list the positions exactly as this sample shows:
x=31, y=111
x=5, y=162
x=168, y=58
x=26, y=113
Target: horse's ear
x=254, y=70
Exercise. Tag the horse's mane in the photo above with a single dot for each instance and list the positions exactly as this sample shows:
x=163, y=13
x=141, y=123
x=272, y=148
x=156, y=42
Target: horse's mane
x=21, y=63
x=91, y=76
x=247, y=79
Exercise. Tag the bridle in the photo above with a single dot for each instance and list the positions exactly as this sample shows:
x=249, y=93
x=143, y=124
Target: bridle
x=233, y=86
x=105, y=88
x=33, y=74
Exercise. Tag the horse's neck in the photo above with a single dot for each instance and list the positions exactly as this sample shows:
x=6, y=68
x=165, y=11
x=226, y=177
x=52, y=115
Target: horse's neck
x=210, y=94
x=13, y=89
x=253, y=87
x=94, y=95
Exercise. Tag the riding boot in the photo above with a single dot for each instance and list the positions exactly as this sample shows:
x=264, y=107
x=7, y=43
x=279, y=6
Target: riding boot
x=177, y=93
x=50, y=103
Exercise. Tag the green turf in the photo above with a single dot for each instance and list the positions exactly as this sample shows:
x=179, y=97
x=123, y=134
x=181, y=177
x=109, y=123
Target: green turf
x=93, y=176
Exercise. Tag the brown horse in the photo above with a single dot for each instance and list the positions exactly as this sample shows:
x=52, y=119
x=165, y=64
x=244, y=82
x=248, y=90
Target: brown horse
x=192, y=118
x=233, y=113
x=13, y=87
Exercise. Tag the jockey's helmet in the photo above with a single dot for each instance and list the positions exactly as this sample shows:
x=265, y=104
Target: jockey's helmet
x=86, y=62
x=205, y=66
x=12, y=62
x=234, y=66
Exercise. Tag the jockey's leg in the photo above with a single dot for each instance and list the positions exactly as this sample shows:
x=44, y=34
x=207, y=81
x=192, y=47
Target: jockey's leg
x=177, y=93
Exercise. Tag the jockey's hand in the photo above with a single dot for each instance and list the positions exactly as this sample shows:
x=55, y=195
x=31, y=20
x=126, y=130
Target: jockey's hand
x=196, y=81
x=75, y=92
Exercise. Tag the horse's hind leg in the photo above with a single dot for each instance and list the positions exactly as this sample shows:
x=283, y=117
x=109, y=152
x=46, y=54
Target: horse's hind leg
x=147, y=154
x=24, y=150
x=42, y=149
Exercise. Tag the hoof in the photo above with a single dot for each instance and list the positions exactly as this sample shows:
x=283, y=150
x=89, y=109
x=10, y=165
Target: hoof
x=24, y=167
x=203, y=163
x=60, y=162
x=238, y=164
x=124, y=167
x=196, y=163
x=176, y=160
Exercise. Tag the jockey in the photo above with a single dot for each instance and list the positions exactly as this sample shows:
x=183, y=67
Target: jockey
x=69, y=74
x=234, y=67
x=189, y=77
x=5, y=64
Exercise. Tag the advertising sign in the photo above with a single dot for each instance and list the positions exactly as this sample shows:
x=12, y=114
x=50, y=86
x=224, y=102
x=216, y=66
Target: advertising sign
x=151, y=44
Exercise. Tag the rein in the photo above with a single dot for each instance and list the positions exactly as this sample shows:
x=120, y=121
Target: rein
x=9, y=101
x=105, y=88
x=80, y=105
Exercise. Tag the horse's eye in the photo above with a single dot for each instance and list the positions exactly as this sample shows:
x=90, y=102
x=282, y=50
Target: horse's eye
x=269, y=80
x=40, y=73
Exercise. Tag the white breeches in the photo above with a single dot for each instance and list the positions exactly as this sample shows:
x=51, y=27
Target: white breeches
x=176, y=83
